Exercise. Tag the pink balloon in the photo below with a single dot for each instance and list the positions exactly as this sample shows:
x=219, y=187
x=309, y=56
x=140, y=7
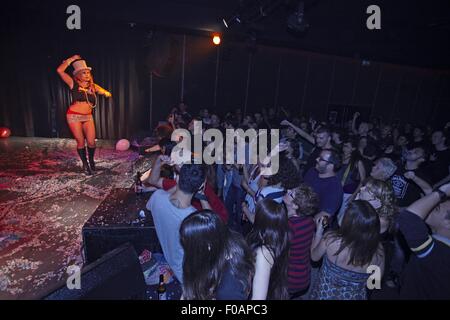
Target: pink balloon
x=4, y=132
x=122, y=145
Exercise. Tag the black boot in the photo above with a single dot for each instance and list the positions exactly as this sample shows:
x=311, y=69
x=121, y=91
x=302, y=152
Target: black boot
x=91, y=152
x=86, y=169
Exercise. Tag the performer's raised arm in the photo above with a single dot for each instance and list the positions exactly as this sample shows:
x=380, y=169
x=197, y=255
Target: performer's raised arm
x=62, y=70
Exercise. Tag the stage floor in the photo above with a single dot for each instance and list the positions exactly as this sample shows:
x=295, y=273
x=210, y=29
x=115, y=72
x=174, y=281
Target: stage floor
x=44, y=201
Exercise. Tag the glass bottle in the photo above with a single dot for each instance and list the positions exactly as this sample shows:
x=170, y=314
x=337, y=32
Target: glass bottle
x=161, y=290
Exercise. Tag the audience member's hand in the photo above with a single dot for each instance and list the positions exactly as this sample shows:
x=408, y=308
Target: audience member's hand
x=244, y=216
x=153, y=149
x=356, y=115
x=375, y=203
x=285, y=123
x=141, y=189
x=201, y=191
x=138, y=189
x=283, y=146
x=410, y=175
x=445, y=188
x=162, y=159
x=245, y=210
x=319, y=224
x=107, y=94
x=389, y=149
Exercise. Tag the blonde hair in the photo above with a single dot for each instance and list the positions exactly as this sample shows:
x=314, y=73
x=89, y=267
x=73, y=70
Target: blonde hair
x=91, y=80
x=383, y=191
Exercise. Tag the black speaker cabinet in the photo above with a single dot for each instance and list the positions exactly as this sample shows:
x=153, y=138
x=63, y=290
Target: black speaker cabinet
x=117, y=275
x=117, y=221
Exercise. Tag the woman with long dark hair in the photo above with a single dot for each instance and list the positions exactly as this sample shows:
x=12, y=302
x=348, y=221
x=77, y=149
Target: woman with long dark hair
x=347, y=253
x=269, y=240
x=351, y=173
x=217, y=263
x=84, y=99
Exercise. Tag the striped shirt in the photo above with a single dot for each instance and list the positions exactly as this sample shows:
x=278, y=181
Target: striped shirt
x=301, y=235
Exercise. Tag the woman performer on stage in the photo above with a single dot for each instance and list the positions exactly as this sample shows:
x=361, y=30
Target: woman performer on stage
x=84, y=99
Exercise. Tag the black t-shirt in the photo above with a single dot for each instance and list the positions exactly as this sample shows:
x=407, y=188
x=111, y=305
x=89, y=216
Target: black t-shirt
x=407, y=191
x=395, y=157
x=421, y=144
x=438, y=169
x=426, y=276
x=383, y=143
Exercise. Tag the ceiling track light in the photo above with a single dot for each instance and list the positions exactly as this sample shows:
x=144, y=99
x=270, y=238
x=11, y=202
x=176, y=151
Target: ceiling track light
x=233, y=20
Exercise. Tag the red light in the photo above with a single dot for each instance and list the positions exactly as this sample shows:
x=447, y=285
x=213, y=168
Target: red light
x=216, y=40
x=4, y=132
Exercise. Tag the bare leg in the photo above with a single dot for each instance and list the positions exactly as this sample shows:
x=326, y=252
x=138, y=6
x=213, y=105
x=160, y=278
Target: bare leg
x=77, y=131
x=89, y=132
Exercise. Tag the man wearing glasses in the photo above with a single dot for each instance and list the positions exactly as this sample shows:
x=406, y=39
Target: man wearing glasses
x=322, y=179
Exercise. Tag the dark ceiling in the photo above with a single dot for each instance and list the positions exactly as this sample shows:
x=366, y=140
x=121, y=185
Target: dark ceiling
x=412, y=32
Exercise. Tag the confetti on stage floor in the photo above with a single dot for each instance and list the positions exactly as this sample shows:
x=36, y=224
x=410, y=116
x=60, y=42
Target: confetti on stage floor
x=44, y=201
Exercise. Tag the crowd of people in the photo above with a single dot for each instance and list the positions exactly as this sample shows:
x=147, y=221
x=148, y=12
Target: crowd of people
x=346, y=199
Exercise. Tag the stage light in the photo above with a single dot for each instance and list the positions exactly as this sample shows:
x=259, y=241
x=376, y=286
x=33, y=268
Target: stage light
x=4, y=132
x=234, y=19
x=216, y=40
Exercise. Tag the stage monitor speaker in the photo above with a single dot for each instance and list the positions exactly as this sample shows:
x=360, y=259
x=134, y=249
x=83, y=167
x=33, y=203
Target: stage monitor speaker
x=117, y=221
x=115, y=276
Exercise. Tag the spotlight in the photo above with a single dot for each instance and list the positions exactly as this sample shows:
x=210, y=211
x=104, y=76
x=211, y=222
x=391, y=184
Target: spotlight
x=225, y=23
x=216, y=40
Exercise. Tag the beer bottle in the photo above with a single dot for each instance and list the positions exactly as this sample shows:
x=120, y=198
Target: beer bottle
x=161, y=288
